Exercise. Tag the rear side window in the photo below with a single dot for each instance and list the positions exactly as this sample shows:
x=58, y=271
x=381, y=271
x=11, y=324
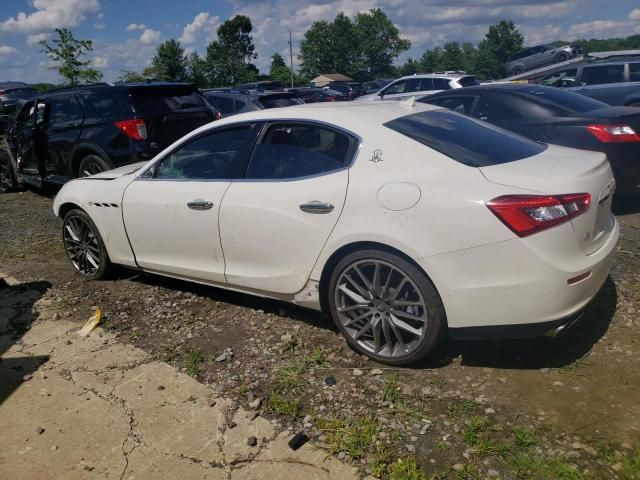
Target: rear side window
x=441, y=84
x=634, y=72
x=603, y=74
x=297, y=150
x=278, y=101
x=468, y=81
x=153, y=100
x=568, y=101
x=463, y=139
x=102, y=105
x=63, y=109
x=224, y=104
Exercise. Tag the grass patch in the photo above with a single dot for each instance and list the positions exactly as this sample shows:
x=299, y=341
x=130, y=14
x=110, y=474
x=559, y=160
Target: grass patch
x=280, y=404
x=524, y=438
x=353, y=436
x=474, y=428
x=534, y=467
x=169, y=353
x=406, y=469
x=194, y=362
x=631, y=467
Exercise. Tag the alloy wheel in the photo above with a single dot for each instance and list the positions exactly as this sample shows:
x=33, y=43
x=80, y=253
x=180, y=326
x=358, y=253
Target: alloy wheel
x=81, y=244
x=381, y=308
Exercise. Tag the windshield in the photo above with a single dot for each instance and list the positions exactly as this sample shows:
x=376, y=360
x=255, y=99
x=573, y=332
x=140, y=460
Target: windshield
x=463, y=139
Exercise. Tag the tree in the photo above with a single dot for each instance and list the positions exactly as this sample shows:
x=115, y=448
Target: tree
x=316, y=55
x=379, y=42
x=279, y=70
x=196, y=70
x=66, y=51
x=169, y=62
x=501, y=41
x=128, y=76
x=229, y=57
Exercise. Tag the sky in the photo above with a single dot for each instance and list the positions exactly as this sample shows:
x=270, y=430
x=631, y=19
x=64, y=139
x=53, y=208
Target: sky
x=126, y=33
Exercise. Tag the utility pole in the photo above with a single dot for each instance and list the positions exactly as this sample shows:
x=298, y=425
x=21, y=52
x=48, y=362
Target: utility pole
x=291, y=57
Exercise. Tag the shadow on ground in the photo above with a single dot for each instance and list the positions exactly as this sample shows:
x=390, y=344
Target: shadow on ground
x=16, y=316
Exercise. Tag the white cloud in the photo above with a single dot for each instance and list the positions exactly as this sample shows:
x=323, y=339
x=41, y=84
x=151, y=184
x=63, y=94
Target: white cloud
x=6, y=51
x=603, y=29
x=136, y=26
x=38, y=37
x=100, y=62
x=203, y=22
x=51, y=14
x=150, y=37
x=634, y=14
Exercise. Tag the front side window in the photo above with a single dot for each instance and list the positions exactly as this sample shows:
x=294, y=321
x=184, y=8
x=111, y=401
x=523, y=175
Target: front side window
x=634, y=72
x=215, y=155
x=297, y=150
x=496, y=110
x=562, y=79
x=63, y=109
x=601, y=74
x=398, y=87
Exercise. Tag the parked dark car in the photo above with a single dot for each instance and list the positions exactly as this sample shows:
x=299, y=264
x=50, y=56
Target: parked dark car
x=10, y=93
x=616, y=82
x=350, y=89
x=374, y=86
x=539, y=56
x=556, y=116
x=316, y=94
x=263, y=86
x=83, y=130
x=231, y=102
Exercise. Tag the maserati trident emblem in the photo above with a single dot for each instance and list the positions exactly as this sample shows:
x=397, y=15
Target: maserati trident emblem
x=376, y=157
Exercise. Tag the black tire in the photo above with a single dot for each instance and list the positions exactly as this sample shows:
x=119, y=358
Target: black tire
x=104, y=265
x=8, y=178
x=517, y=71
x=92, y=164
x=435, y=314
x=562, y=57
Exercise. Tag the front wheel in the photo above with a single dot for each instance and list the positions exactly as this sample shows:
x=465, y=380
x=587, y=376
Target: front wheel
x=562, y=57
x=517, y=71
x=386, y=307
x=84, y=246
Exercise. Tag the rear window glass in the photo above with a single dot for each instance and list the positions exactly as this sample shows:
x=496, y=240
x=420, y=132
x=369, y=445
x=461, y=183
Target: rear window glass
x=277, y=101
x=150, y=100
x=224, y=104
x=468, y=81
x=571, y=102
x=468, y=141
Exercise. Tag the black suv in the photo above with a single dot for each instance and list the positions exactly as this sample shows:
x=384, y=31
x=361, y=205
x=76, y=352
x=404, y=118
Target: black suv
x=232, y=101
x=10, y=93
x=84, y=130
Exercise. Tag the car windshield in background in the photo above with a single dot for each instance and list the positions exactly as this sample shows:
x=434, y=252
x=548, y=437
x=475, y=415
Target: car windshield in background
x=463, y=139
x=569, y=101
x=149, y=100
x=275, y=101
x=468, y=81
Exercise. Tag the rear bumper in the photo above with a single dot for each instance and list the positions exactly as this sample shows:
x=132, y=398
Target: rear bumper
x=509, y=290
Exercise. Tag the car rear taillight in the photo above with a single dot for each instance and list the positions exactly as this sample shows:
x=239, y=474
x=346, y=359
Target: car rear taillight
x=134, y=128
x=330, y=98
x=529, y=214
x=218, y=116
x=614, y=133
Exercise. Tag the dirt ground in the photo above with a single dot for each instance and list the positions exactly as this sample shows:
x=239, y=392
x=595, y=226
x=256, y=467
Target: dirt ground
x=564, y=408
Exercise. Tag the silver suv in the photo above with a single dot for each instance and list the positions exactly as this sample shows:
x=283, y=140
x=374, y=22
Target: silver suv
x=539, y=56
x=421, y=84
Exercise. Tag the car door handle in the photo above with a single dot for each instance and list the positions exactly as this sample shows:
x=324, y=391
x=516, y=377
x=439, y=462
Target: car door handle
x=199, y=204
x=316, y=206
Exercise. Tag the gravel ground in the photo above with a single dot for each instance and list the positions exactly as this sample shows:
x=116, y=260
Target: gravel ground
x=564, y=408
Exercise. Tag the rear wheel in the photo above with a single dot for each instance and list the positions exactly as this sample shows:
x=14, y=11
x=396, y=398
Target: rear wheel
x=562, y=57
x=92, y=164
x=518, y=71
x=84, y=246
x=385, y=307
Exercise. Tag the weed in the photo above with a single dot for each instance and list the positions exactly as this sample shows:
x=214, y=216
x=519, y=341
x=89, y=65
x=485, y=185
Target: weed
x=406, y=469
x=631, y=467
x=380, y=461
x=194, y=361
x=468, y=407
x=534, y=467
x=353, y=436
x=524, y=438
x=390, y=391
x=471, y=432
x=467, y=472
x=280, y=404
x=169, y=353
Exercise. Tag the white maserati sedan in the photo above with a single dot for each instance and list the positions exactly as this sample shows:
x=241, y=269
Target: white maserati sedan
x=402, y=221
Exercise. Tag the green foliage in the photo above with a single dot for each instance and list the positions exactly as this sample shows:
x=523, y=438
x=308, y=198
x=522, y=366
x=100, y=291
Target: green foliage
x=66, y=52
x=535, y=467
x=353, y=436
x=365, y=47
x=406, y=469
x=196, y=70
x=127, y=76
x=194, y=362
x=475, y=426
x=169, y=63
x=228, y=58
x=524, y=438
x=501, y=41
x=631, y=467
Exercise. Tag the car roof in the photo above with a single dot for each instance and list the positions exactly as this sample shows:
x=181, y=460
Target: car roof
x=251, y=95
x=8, y=85
x=448, y=76
x=97, y=87
x=353, y=116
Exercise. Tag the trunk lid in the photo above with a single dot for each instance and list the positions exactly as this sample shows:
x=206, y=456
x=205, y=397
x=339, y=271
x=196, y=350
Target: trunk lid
x=560, y=170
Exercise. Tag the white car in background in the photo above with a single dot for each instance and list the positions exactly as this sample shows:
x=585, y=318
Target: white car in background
x=401, y=221
x=421, y=84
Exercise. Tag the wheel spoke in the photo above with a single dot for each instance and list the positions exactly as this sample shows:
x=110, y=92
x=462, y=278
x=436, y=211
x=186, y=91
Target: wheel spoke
x=409, y=316
x=362, y=291
x=359, y=317
x=72, y=233
x=352, y=295
x=404, y=325
x=367, y=326
x=353, y=307
x=81, y=245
